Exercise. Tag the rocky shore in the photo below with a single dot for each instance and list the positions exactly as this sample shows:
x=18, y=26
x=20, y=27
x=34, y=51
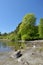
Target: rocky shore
x=31, y=56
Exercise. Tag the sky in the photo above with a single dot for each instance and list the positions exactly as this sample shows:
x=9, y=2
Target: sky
x=13, y=11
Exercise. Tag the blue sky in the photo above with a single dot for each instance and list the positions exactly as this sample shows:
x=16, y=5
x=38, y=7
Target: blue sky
x=13, y=11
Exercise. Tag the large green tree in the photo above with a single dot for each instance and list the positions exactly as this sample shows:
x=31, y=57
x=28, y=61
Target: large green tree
x=27, y=28
x=41, y=28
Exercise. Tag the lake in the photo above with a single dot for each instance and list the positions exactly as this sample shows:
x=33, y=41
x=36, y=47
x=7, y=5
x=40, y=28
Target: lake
x=9, y=46
x=6, y=46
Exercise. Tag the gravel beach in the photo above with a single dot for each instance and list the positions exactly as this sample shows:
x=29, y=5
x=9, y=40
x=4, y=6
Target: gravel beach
x=31, y=56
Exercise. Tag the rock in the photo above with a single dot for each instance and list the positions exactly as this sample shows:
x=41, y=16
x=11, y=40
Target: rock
x=18, y=54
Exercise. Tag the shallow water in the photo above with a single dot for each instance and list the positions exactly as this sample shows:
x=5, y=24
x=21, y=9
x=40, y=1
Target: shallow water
x=4, y=47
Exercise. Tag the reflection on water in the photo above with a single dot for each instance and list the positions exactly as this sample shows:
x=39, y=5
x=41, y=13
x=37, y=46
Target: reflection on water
x=8, y=46
x=4, y=47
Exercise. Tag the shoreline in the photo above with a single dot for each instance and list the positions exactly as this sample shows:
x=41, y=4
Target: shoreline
x=22, y=40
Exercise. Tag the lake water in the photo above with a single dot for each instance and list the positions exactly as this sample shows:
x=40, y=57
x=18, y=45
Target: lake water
x=9, y=46
x=5, y=46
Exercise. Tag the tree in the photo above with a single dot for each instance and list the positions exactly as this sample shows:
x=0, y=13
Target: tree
x=17, y=35
x=27, y=26
x=5, y=34
x=0, y=34
x=41, y=28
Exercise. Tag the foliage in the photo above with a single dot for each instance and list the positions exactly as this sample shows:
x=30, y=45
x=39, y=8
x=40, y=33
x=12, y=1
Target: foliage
x=0, y=33
x=41, y=28
x=5, y=34
x=27, y=28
